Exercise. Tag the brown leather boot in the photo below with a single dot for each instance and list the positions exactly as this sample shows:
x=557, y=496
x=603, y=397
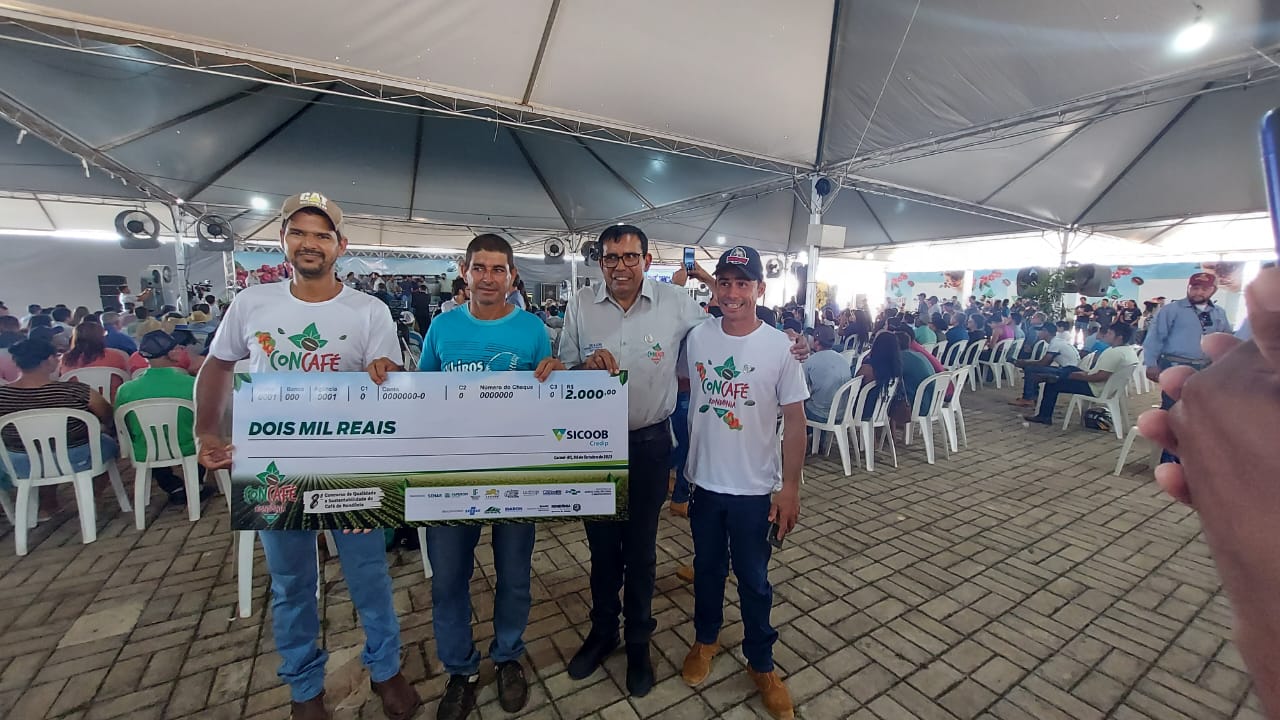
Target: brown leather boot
x=697, y=664
x=312, y=709
x=400, y=699
x=774, y=694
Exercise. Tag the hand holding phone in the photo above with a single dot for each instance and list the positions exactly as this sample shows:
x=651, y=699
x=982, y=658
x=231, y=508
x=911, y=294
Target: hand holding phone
x=773, y=535
x=688, y=259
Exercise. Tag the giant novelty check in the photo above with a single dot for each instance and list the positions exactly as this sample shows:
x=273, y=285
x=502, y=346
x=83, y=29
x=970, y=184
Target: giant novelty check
x=334, y=450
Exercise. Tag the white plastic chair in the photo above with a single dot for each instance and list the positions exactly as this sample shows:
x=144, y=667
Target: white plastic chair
x=849, y=355
x=44, y=439
x=998, y=365
x=138, y=373
x=839, y=421
x=938, y=349
x=244, y=543
x=1113, y=397
x=100, y=379
x=158, y=420
x=953, y=354
x=857, y=363
x=969, y=361
x=1125, y=449
x=879, y=419
x=953, y=414
x=1039, y=349
x=934, y=388
x=422, y=546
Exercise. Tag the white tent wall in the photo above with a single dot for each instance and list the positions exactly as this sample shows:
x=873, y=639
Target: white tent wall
x=48, y=271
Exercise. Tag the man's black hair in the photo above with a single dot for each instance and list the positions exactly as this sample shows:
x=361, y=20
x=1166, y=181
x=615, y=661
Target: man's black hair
x=61, y=314
x=1124, y=332
x=615, y=233
x=489, y=242
x=459, y=284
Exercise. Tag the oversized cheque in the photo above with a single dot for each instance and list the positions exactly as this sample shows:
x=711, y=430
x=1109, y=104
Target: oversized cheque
x=334, y=450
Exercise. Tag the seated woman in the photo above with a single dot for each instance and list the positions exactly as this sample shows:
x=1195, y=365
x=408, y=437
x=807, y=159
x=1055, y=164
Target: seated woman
x=882, y=364
x=89, y=349
x=977, y=326
x=36, y=389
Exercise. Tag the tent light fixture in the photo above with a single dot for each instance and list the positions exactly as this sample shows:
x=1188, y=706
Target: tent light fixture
x=259, y=203
x=720, y=239
x=1194, y=36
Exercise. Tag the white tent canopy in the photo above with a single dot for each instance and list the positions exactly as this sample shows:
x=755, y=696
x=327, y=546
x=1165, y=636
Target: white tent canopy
x=701, y=121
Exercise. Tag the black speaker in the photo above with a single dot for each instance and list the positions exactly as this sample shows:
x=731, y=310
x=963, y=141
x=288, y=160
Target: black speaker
x=109, y=291
x=1092, y=280
x=1028, y=278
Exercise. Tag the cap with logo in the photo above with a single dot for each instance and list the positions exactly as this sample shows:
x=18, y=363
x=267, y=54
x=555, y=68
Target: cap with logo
x=156, y=343
x=313, y=200
x=744, y=259
x=1203, y=279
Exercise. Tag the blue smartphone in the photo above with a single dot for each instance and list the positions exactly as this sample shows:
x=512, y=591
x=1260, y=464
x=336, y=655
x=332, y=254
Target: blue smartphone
x=1271, y=167
x=688, y=259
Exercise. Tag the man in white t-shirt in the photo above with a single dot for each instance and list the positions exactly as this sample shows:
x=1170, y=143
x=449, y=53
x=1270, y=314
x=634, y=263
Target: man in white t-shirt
x=311, y=323
x=742, y=375
x=1119, y=357
x=460, y=296
x=1059, y=353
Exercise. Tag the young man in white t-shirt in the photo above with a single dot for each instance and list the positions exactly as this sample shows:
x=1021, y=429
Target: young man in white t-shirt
x=312, y=323
x=742, y=375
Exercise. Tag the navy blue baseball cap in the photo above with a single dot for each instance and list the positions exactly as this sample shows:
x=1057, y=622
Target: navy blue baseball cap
x=743, y=258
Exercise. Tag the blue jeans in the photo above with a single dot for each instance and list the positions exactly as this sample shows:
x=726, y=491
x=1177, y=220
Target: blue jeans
x=1053, y=389
x=733, y=528
x=295, y=617
x=680, y=453
x=1032, y=373
x=452, y=550
x=78, y=455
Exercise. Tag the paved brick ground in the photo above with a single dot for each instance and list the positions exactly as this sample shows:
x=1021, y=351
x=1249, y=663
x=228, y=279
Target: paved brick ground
x=1016, y=579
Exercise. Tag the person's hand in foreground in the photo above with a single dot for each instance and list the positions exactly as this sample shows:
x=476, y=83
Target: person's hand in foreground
x=1223, y=427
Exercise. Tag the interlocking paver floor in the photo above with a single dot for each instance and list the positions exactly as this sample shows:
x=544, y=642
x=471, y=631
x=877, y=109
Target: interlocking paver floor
x=1016, y=579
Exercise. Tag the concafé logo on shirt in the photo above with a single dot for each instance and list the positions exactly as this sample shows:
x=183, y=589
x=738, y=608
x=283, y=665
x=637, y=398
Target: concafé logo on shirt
x=307, y=357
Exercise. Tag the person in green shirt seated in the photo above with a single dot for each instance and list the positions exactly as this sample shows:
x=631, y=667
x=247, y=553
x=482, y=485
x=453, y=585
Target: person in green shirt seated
x=923, y=332
x=164, y=378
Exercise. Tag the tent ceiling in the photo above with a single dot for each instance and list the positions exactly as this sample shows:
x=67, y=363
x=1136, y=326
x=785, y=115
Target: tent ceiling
x=969, y=62
x=998, y=115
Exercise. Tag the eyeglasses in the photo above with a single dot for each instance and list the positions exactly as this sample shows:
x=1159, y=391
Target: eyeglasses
x=628, y=259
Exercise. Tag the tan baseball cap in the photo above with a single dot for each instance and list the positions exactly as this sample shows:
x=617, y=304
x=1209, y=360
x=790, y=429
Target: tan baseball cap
x=313, y=200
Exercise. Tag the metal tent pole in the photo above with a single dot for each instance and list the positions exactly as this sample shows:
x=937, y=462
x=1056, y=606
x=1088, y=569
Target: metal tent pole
x=811, y=287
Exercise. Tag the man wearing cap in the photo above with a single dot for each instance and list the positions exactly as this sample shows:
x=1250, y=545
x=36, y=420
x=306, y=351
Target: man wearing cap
x=825, y=371
x=745, y=493
x=1174, y=334
x=311, y=323
x=164, y=378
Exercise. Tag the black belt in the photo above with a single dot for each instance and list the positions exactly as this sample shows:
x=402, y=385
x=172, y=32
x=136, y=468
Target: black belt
x=650, y=433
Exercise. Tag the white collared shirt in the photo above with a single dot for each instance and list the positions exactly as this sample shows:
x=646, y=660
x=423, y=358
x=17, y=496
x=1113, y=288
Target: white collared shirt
x=645, y=340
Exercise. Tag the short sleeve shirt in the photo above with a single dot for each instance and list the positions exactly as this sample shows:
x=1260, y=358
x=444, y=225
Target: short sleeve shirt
x=738, y=386
x=645, y=340
x=458, y=342
x=1112, y=360
x=277, y=332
